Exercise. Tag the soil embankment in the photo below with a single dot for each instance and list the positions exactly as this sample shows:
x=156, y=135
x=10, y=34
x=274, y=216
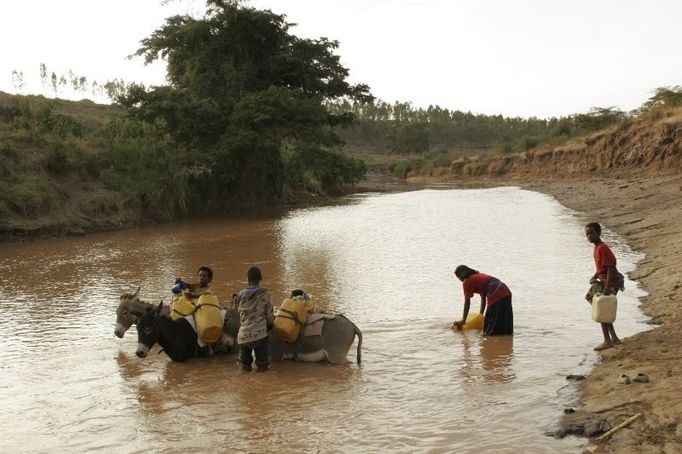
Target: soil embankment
x=628, y=178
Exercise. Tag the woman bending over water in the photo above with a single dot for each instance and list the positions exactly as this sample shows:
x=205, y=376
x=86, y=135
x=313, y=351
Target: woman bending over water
x=496, y=301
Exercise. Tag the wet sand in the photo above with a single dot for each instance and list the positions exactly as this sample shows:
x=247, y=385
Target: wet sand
x=646, y=211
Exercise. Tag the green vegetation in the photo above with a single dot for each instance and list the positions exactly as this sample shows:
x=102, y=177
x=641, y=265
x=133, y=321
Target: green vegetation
x=251, y=115
x=242, y=123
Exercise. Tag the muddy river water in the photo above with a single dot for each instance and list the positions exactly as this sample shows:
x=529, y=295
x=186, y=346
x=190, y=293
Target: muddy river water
x=384, y=260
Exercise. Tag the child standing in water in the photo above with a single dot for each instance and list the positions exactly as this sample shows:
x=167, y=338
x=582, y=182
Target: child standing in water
x=254, y=304
x=607, y=280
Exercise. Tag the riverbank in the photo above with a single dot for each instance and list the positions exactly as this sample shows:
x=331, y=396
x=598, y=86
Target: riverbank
x=646, y=212
x=644, y=209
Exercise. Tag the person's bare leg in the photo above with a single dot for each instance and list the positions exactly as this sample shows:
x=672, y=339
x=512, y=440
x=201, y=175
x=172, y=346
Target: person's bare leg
x=614, y=338
x=607, y=340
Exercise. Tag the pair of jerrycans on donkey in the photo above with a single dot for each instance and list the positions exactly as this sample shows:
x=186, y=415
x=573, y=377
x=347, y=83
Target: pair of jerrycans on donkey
x=207, y=315
x=291, y=317
x=604, y=308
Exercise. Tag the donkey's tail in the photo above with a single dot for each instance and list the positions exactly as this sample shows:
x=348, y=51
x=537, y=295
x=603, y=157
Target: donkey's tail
x=359, y=334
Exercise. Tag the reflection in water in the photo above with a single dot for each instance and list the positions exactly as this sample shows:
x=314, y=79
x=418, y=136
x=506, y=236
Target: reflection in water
x=496, y=358
x=485, y=359
x=385, y=261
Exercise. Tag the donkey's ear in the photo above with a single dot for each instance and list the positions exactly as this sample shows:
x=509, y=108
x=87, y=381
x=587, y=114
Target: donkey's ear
x=158, y=308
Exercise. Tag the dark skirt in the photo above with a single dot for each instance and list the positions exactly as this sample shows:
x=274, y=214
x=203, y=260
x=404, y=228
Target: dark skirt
x=499, y=318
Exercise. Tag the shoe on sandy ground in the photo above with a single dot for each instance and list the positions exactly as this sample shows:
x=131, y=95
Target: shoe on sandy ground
x=624, y=379
x=641, y=377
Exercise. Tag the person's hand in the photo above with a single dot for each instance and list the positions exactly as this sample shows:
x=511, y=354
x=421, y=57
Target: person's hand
x=606, y=291
x=191, y=295
x=458, y=324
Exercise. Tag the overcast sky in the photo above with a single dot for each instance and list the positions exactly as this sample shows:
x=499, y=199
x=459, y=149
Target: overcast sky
x=512, y=57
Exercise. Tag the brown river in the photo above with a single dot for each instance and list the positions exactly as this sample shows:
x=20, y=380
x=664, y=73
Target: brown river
x=385, y=261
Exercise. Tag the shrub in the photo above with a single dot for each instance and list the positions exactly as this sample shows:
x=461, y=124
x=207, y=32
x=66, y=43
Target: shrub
x=31, y=198
x=320, y=170
x=529, y=142
x=402, y=168
x=57, y=160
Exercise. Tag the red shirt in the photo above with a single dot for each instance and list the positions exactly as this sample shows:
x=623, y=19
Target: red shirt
x=480, y=283
x=603, y=258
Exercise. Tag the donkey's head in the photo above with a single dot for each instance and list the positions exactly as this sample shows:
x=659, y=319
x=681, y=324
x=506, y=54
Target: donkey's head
x=148, y=331
x=127, y=312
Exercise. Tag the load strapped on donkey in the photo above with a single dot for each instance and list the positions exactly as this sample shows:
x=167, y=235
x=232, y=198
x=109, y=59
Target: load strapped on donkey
x=292, y=315
x=205, y=309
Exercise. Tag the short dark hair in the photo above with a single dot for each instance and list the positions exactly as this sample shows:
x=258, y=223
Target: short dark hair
x=297, y=292
x=254, y=274
x=595, y=226
x=208, y=270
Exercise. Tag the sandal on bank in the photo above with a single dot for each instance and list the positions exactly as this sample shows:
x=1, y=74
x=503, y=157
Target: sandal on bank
x=641, y=377
x=624, y=379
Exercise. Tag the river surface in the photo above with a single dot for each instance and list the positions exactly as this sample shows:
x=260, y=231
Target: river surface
x=385, y=261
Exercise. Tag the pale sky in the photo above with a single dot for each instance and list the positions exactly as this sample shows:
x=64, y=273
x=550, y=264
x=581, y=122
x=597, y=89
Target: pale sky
x=511, y=57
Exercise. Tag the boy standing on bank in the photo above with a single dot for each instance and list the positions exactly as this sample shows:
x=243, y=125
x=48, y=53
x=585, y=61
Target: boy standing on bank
x=254, y=304
x=607, y=280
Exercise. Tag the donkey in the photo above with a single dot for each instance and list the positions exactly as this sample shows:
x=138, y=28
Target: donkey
x=177, y=337
x=338, y=335
x=130, y=309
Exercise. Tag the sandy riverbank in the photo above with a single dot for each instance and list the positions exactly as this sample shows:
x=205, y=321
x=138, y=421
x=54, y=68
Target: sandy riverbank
x=646, y=211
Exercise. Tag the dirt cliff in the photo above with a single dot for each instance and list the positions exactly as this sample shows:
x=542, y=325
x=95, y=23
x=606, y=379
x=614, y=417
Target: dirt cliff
x=651, y=144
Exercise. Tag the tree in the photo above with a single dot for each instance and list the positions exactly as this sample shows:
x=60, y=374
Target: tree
x=242, y=86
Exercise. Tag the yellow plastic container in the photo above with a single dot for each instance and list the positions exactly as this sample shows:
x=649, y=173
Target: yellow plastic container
x=208, y=318
x=604, y=308
x=474, y=321
x=182, y=307
x=290, y=317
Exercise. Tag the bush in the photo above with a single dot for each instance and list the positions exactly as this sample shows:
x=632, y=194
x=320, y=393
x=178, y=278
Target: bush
x=31, y=198
x=320, y=170
x=402, y=168
x=529, y=142
x=57, y=160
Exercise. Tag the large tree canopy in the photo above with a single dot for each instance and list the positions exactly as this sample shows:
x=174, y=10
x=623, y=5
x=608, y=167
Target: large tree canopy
x=241, y=89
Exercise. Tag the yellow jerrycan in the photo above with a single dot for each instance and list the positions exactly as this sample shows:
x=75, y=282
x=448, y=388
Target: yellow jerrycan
x=290, y=317
x=474, y=321
x=182, y=307
x=604, y=308
x=208, y=318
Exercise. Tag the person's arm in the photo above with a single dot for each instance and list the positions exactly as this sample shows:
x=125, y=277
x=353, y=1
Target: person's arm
x=467, y=305
x=269, y=312
x=609, y=280
x=190, y=290
x=482, y=303
x=594, y=278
